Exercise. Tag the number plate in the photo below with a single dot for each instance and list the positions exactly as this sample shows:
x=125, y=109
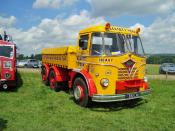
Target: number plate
x=133, y=95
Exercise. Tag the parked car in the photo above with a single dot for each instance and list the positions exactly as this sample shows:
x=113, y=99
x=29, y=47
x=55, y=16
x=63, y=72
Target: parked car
x=39, y=64
x=167, y=68
x=17, y=62
x=22, y=63
x=28, y=63
x=33, y=63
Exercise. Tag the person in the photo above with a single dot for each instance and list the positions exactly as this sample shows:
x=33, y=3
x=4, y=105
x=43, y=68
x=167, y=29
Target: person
x=1, y=37
x=5, y=36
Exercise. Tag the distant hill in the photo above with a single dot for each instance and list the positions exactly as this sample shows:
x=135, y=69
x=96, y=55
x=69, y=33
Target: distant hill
x=160, y=54
x=151, y=58
x=160, y=58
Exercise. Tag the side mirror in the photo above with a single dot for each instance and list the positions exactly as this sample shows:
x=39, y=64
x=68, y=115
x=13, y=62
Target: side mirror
x=83, y=44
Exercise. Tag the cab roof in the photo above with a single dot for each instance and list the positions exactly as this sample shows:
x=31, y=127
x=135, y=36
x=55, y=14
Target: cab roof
x=6, y=42
x=112, y=29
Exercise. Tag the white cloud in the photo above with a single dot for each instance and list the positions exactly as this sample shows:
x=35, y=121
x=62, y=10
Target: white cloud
x=52, y=32
x=130, y=7
x=159, y=36
x=138, y=25
x=7, y=22
x=52, y=3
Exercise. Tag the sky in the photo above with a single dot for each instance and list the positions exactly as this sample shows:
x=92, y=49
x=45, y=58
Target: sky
x=36, y=24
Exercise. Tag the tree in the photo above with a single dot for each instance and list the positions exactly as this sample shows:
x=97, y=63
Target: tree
x=32, y=56
x=161, y=58
x=20, y=56
x=38, y=56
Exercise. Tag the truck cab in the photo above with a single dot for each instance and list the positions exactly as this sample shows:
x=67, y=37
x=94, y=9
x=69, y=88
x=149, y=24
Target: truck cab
x=7, y=62
x=115, y=59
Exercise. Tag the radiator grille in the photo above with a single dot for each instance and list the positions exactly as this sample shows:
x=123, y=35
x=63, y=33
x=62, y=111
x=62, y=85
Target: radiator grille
x=124, y=74
x=127, y=91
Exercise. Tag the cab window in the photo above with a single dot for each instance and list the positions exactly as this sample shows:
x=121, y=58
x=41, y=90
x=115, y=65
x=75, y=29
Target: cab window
x=83, y=42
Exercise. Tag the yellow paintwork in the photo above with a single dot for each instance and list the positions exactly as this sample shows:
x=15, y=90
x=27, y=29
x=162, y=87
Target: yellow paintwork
x=99, y=67
x=62, y=56
x=109, y=70
x=61, y=50
x=114, y=29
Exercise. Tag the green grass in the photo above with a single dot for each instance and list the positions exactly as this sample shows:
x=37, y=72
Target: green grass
x=152, y=69
x=34, y=106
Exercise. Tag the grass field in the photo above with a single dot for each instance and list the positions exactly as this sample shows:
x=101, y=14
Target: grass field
x=34, y=106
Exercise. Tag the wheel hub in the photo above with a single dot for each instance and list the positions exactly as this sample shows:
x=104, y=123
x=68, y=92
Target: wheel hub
x=78, y=93
x=52, y=83
x=5, y=86
x=44, y=77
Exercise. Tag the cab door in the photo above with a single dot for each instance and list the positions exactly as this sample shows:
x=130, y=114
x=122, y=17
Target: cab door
x=84, y=44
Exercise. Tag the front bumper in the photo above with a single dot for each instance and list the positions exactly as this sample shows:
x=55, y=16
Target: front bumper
x=120, y=97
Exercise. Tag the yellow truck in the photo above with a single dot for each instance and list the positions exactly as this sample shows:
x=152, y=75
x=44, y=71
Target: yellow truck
x=108, y=64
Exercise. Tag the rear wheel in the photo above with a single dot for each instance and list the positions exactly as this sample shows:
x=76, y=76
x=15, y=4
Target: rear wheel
x=44, y=76
x=80, y=92
x=53, y=82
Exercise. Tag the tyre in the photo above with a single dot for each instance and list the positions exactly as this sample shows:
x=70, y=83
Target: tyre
x=162, y=72
x=52, y=81
x=5, y=86
x=80, y=92
x=25, y=66
x=44, y=76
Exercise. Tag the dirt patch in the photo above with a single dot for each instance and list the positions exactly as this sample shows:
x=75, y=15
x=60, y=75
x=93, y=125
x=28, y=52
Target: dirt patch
x=162, y=77
x=34, y=70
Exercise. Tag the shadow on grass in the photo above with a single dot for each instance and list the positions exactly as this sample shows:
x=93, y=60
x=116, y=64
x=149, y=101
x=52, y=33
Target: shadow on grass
x=109, y=106
x=116, y=106
x=3, y=124
x=64, y=88
x=19, y=82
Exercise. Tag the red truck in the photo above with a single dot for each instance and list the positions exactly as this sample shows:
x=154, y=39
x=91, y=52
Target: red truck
x=7, y=62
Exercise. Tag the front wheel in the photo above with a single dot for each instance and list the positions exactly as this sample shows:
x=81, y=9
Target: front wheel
x=80, y=92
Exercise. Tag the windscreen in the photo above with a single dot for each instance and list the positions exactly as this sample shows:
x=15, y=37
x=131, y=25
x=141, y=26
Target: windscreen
x=6, y=51
x=115, y=44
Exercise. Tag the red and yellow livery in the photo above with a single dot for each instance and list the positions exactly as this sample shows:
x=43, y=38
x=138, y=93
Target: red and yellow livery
x=108, y=64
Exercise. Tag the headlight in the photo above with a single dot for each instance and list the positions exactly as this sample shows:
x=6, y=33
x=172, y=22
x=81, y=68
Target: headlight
x=104, y=82
x=7, y=64
x=145, y=79
x=7, y=75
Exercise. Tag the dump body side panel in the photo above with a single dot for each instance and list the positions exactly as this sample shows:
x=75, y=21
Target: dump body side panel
x=64, y=57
